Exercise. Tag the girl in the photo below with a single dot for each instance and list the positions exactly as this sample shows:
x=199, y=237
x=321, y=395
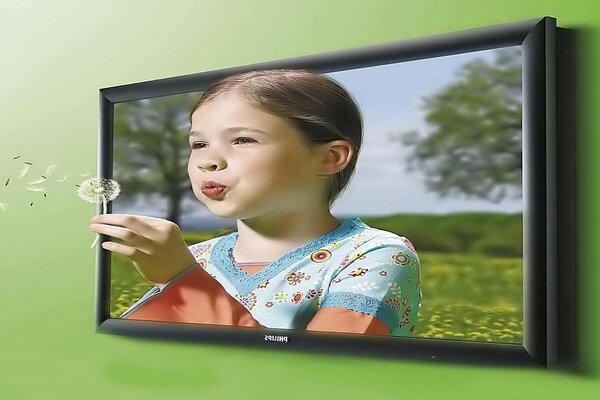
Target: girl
x=274, y=149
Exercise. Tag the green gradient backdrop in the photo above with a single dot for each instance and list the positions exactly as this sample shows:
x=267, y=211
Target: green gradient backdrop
x=55, y=56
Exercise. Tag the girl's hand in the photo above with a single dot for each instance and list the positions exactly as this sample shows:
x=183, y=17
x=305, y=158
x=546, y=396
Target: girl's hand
x=155, y=245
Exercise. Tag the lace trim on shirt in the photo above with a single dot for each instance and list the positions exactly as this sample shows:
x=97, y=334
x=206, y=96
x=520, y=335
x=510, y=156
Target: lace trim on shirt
x=150, y=293
x=155, y=290
x=365, y=304
x=221, y=256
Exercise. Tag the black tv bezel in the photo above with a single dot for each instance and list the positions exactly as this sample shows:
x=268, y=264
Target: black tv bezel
x=542, y=333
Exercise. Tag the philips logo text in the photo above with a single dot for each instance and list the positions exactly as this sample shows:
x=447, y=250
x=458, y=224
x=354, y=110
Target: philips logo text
x=276, y=338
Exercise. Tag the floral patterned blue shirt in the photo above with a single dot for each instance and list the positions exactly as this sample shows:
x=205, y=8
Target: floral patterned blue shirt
x=354, y=266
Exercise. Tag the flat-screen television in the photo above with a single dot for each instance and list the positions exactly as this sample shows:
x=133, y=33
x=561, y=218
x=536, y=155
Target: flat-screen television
x=397, y=199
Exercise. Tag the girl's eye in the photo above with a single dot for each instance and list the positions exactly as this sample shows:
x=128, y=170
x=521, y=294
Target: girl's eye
x=243, y=140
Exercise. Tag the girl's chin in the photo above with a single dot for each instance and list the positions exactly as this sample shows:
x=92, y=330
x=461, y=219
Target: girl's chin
x=222, y=209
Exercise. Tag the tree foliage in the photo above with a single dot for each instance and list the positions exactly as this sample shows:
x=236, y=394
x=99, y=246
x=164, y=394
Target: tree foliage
x=474, y=145
x=151, y=149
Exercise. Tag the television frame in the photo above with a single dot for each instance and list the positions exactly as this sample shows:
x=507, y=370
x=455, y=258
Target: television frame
x=549, y=329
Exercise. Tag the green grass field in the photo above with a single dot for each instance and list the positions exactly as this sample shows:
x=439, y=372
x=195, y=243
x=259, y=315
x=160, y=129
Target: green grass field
x=465, y=296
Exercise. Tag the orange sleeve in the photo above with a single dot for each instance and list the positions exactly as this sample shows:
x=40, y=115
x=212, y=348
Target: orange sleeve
x=338, y=319
x=196, y=297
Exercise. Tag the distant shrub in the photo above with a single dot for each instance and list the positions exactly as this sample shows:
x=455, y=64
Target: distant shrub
x=496, y=246
x=489, y=233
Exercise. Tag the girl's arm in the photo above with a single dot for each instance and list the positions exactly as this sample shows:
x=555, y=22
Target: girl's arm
x=194, y=297
x=379, y=292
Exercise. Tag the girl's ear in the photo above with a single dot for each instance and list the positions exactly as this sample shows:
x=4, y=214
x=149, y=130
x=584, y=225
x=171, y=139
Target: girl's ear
x=331, y=157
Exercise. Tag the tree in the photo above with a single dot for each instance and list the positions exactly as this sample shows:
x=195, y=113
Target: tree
x=151, y=149
x=474, y=147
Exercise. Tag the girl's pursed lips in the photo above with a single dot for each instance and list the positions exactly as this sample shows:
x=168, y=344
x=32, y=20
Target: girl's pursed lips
x=208, y=184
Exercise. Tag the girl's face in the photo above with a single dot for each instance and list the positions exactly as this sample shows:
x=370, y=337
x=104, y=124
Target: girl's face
x=265, y=164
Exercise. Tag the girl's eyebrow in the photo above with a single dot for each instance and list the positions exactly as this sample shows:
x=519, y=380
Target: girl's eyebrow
x=231, y=129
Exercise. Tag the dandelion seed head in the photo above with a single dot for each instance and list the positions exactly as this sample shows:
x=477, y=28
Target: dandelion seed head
x=97, y=190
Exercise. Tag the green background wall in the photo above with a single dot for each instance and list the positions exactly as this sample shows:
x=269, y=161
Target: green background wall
x=54, y=57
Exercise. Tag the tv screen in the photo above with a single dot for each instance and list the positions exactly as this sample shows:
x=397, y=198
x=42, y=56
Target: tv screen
x=388, y=197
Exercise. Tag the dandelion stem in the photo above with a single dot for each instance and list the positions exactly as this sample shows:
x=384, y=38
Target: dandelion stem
x=104, y=211
x=95, y=242
x=95, y=190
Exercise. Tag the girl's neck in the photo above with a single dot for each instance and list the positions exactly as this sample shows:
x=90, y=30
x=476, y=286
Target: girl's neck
x=271, y=236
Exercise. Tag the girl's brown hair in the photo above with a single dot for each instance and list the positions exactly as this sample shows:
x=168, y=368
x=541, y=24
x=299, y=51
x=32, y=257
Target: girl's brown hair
x=320, y=108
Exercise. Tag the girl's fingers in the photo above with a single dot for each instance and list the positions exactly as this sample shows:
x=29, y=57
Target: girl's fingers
x=136, y=223
x=125, y=250
x=124, y=234
x=157, y=222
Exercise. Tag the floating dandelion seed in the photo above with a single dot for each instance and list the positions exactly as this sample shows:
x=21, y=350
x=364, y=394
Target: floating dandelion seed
x=33, y=185
x=24, y=170
x=36, y=181
x=96, y=190
x=49, y=169
x=35, y=189
x=5, y=162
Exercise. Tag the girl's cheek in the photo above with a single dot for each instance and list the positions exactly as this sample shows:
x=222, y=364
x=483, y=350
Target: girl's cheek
x=265, y=163
x=275, y=165
x=270, y=172
x=262, y=171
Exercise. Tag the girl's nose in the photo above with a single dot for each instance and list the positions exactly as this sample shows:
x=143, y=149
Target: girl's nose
x=211, y=165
